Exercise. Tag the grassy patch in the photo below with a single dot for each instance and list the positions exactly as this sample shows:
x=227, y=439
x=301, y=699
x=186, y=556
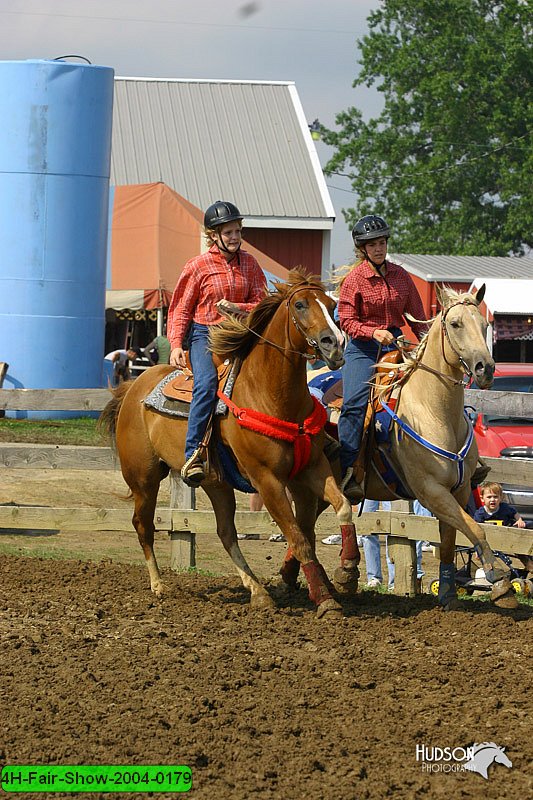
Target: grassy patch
x=79, y=430
x=195, y=571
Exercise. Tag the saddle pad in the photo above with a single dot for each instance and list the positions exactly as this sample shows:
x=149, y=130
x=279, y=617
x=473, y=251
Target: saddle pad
x=173, y=394
x=157, y=401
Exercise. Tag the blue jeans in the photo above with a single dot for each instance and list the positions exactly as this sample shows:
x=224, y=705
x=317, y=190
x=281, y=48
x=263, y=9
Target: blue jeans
x=371, y=547
x=360, y=357
x=204, y=389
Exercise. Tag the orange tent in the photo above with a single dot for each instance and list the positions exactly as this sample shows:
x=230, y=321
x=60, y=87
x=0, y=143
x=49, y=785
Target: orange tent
x=153, y=233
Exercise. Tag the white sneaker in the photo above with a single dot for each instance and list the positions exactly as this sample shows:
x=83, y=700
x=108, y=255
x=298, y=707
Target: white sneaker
x=359, y=541
x=426, y=547
x=335, y=538
x=374, y=582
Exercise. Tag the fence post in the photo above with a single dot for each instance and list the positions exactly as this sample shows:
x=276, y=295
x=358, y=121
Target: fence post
x=402, y=553
x=182, y=543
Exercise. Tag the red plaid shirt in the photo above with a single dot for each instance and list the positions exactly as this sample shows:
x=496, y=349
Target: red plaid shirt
x=368, y=302
x=207, y=279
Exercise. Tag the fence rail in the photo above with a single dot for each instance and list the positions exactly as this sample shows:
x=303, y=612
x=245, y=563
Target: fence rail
x=184, y=523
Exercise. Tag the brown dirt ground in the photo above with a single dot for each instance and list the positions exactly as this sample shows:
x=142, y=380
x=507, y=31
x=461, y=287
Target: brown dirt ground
x=94, y=670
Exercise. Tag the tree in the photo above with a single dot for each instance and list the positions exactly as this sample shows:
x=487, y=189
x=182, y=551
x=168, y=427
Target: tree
x=449, y=160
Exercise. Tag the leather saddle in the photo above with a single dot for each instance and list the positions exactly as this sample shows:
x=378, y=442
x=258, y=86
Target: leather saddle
x=180, y=388
x=385, y=385
x=382, y=386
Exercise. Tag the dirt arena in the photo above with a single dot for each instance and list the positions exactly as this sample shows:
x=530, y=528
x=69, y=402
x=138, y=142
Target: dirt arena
x=275, y=705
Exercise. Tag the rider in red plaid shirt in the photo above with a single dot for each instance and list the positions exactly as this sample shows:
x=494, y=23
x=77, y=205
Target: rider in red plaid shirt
x=207, y=279
x=225, y=279
x=374, y=298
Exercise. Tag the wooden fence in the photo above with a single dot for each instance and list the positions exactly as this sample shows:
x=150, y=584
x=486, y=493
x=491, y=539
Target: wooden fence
x=183, y=522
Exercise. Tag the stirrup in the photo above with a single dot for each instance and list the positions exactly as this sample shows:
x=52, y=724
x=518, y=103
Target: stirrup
x=193, y=472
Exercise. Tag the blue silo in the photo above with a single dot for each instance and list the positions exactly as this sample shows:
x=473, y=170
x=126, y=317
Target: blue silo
x=55, y=149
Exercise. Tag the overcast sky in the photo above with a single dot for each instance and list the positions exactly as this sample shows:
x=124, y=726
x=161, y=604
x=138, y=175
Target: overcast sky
x=310, y=42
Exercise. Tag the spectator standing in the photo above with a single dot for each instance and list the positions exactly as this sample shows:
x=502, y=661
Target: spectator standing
x=161, y=345
x=121, y=364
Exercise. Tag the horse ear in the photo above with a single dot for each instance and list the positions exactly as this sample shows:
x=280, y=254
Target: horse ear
x=480, y=294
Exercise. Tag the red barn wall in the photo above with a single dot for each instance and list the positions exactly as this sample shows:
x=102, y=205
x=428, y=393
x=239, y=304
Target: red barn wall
x=290, y=247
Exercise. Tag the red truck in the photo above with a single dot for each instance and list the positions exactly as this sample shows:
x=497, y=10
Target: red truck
x=508, y=436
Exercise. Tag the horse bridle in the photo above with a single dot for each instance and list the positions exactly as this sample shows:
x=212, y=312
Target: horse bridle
x=311, y=342
x=444, y=333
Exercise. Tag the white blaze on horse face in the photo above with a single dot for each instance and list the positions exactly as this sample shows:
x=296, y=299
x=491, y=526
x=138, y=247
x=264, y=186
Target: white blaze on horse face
x=331, y=323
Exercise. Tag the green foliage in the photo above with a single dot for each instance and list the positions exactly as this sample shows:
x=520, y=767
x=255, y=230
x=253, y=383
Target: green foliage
x=449, y=160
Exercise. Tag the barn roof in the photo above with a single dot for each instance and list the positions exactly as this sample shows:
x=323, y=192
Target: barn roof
x=245, y=141
x=463, y=268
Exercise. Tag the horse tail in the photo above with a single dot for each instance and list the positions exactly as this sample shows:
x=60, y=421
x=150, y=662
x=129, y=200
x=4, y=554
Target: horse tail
x=107, y=421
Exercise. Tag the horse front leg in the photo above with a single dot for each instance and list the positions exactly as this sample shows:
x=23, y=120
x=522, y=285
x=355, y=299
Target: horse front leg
x=448, y=509
x=222, y=499
x=323, y=485
x=305, y=505
x=301, y=549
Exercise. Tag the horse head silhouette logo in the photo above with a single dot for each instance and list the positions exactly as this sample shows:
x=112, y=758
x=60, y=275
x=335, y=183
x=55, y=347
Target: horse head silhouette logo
x=485, y=754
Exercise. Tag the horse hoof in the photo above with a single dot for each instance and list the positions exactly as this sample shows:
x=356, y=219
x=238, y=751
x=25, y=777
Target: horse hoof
x=262, y=602
x=329, y=609
x=346, y=581
x=451, y=605
x=507, y=600
x=159, y=590
x=500, y=589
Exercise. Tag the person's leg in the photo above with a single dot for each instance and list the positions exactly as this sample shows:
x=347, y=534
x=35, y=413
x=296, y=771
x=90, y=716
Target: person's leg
x=256, y=502
x=419, y=570
x=358, y=370
x=204, y=388
x=422, y=511
x=390, y=565
x=386, y=506
x=371, y=548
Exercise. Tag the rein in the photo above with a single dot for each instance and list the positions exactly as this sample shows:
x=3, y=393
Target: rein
x=444, y=333
x=311, y=342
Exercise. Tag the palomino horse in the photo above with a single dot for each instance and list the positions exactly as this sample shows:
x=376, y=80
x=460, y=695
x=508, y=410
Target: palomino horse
x=281, y=446
x=432, y=447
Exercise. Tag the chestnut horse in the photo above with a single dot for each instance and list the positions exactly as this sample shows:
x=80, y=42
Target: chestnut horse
x=432, y=447
x=275, y=341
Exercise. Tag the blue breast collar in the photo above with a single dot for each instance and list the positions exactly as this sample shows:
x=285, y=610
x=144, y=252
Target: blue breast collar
x=459, y=457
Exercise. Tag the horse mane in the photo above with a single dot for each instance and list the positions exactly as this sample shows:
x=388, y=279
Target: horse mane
x=235, y=337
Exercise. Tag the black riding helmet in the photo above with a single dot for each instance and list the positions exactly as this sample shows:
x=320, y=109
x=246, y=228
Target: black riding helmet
x=219, y=213
x=369, y=227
